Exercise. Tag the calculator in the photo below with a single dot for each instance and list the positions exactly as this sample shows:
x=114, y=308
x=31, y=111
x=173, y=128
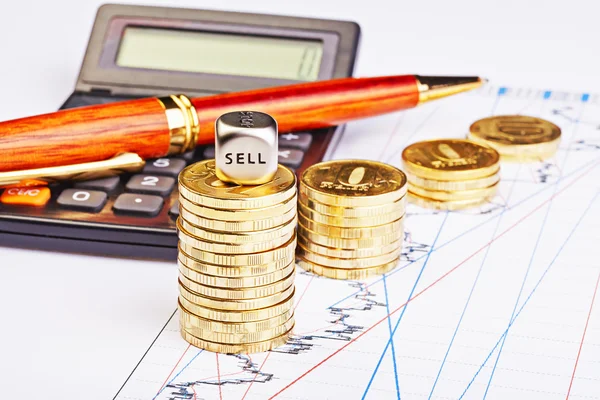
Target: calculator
x=139, y=51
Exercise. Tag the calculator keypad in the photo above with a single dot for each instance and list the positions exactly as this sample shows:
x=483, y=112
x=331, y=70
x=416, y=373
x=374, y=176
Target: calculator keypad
x=141, y=204
x=130, y=209
x=165, y=166
x=81, y=199
x=174, y=210
x=300, y=140
x=35, y=197
x=151, y=184
x=104, y=184
x=290, y=157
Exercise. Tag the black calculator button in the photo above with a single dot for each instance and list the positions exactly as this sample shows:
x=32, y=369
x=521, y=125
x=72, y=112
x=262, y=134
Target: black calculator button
x=142, y=204
x=209, y=152
x=103, y=184
x=290, y=157
x=189, y=156
x=165, y=166
x=84, y=200
x=174, y=210
x=300, y=141
x=160, y=185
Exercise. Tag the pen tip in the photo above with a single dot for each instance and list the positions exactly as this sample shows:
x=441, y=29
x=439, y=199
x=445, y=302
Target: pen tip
x=436, y=87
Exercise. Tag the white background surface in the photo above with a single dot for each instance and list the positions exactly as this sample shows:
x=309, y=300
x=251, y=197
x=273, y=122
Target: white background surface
x=74, y=326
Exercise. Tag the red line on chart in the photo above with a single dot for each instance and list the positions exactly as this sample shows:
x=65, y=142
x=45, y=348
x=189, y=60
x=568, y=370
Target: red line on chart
x=259, y=369
x=431, y=285
x=304, y=292
x=223, y=375
x=583, y=336
x=174, y=367
x=269, y=353
x=219, y=377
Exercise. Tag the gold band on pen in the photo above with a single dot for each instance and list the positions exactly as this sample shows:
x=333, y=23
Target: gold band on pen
x=184, y=125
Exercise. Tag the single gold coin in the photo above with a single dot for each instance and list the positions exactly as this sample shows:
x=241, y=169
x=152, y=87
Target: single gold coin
x=348, y=222
x=517, y=136
x=353, y=183
x=239, y=237
x=235, y=327
x=239, y=215
x=231, y=271
x=284, y=307
x=336, y=242
x=238, y=293
x=347, y=274
x=352, y=212
x=355, y=252
x=199, y=184
x=234, y=305
x=237, y=226
x=284, y=251
x=450, y=160
x=347, y=263
x=189, y=324
x=188, y=238
x=446, y=205
x=247, y=348
x=442, y=195
x=352, y=233
x=235, y=283
x=467, y=184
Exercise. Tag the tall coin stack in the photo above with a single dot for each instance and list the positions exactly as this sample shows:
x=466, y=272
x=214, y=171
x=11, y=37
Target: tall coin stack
x=236, y=260
x=350, y=218
x=451, y=174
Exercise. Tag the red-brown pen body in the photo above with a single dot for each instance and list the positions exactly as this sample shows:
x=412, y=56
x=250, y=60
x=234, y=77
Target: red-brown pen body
x=99, y=132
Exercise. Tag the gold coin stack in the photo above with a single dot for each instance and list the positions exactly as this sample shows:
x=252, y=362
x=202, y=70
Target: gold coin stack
x=350, y=218
x=451, y=174
x=236, y=260
x=517, y=137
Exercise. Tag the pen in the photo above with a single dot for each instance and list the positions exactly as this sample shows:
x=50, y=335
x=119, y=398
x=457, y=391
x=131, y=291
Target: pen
x=67, y=143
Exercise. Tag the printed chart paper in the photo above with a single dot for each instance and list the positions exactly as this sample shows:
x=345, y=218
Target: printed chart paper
x=498, y=302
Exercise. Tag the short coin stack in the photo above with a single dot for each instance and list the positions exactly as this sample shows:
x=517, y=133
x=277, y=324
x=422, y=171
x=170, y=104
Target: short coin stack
x=517, y=137
x=350, y=218
x=236, y=260
x=451, y=174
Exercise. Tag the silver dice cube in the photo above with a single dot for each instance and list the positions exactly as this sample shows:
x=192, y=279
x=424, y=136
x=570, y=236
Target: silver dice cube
x=246, y=147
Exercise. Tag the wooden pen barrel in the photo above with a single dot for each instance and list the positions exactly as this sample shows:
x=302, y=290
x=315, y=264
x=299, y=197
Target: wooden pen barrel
x=85, y=134
x=313, y=105
x=100, y=132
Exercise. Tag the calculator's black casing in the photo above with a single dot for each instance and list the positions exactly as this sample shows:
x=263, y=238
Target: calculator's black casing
x=56, y=229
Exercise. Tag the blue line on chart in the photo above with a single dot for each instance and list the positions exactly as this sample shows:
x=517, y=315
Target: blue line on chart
x=475, y=227
x=179, y=373
x=487, y=251
x=534, y=252
x=405, y=307
x=389, y=320
x=563, y=245
x=501, y=92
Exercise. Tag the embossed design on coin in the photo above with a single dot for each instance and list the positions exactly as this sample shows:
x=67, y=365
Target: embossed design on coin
x=518, y=137
x=450, y=159
x=353, y=183
x=515, y=130
x=199, y=183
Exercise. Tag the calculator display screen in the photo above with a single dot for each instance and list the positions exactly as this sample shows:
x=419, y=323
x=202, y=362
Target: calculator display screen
x=220, y=53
